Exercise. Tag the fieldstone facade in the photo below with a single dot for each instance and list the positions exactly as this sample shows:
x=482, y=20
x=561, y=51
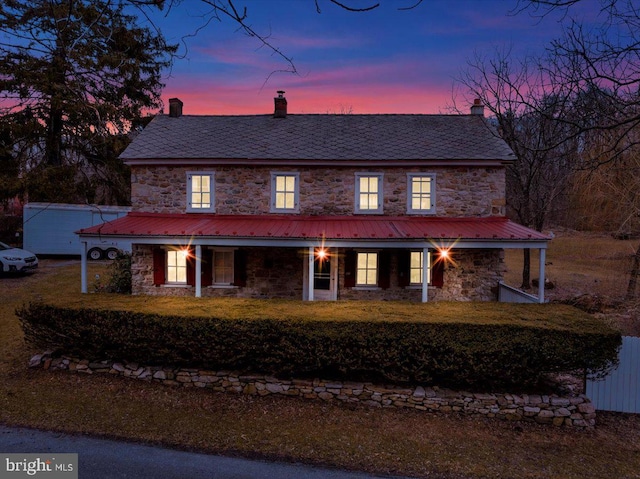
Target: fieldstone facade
x=471, y=275
x=571, y=410
x=460, y=191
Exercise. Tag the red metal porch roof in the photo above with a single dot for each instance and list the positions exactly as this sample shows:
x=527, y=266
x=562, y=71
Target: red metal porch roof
x=328, y=227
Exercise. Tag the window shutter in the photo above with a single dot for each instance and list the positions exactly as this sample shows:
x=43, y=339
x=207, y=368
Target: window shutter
x=349, y=268
x=159, y=261
x=207, y=267
x=404, y=275
x=437, y=273
x=239, y=268
x=384, y=269
x=191, y=268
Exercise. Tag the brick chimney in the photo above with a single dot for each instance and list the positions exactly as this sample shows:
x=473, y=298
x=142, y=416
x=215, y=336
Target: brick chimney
x=175, y=108
x=477, y=108
x=280, y=105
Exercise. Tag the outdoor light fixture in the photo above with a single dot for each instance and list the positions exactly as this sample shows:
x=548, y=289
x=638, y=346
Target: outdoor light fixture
x=444, y=254
x=321, y=253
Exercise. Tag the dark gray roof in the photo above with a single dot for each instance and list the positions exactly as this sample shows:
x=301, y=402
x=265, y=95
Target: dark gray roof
x=319, y=137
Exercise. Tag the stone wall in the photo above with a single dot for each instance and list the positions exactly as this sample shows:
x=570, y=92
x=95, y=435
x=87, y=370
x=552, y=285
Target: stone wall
x=570, y=411
x=460, y=191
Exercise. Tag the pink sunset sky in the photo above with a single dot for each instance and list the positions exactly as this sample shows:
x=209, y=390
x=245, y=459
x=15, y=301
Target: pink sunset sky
x=384, y=61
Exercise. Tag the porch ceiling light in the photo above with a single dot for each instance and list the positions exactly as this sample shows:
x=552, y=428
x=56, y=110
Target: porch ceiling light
x=321, y=253
x=444, y=254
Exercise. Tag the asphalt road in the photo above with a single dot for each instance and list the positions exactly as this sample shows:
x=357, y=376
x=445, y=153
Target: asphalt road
x=107, y=459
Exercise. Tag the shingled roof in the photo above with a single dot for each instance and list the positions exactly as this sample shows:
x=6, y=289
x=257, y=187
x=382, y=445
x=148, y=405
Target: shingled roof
x=319, y=137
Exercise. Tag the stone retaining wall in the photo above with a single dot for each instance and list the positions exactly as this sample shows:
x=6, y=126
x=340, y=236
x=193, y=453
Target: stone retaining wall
x=572, y=411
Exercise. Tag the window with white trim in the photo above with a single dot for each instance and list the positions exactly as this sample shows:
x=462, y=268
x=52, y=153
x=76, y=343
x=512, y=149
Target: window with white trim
x=415, y=268
x=285, y=192
x=200, y=192
x=177, y=266
x=223, y=266
x=367, y=268
x=368, y=193
x=420, y=193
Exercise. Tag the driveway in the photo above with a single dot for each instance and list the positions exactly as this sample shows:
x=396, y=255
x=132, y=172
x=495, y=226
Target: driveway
x=107, y=459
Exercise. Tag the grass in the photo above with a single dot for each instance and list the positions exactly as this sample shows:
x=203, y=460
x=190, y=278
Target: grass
x=383, y=441
x=580, y=263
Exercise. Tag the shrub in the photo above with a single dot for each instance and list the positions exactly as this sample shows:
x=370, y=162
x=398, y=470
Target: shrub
x=454, y=354
x=119, y=276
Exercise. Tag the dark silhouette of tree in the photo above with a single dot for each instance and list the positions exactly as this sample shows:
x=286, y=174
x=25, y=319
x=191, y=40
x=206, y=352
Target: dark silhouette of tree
x=83, y=70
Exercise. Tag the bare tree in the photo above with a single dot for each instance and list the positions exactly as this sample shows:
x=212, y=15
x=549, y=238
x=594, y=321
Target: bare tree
x=606, y=61
x=526, y=117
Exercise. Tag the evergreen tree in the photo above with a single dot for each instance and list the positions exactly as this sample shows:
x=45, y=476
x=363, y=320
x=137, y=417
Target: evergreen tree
x=84, y=70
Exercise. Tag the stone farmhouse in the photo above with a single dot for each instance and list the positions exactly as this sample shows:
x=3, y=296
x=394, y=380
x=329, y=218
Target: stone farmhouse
x=319, y=207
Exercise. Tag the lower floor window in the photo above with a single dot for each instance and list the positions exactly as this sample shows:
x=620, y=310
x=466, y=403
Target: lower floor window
x=367, y=269
x=416, y=268
x=223, y=267
x=177, y=266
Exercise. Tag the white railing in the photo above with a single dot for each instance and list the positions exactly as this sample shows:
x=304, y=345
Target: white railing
x=509, y=294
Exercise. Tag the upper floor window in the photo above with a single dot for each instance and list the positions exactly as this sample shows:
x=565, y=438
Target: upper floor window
x=285, y=189
x=420, y=193
x=200, y=197
x=368, y=193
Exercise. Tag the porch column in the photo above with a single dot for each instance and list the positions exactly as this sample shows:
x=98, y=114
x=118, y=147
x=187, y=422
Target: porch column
x=425, y=269
x=312, y=273
x=198, y=271
x=543, y=255
x=83, y=267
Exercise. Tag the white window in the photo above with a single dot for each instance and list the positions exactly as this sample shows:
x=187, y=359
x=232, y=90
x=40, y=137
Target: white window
x=367, y=269
x=223, y=267
x=415, y=268
x=285, y=192
x=200, y=192
x=368, y=193
x=177, y=266
x=421, y=193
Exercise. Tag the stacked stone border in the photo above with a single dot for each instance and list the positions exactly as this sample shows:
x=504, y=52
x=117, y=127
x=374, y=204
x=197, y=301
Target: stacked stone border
x=572, y=411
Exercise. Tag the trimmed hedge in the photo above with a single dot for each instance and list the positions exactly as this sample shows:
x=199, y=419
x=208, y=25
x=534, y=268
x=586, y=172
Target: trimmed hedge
x=478, y=357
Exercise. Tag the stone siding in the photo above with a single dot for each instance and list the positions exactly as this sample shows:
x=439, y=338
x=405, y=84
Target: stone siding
x=473, y=275
x=460, y=191
x=570, y=411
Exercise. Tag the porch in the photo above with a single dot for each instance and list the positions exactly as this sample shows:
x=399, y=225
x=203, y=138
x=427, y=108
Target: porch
x=321, y=258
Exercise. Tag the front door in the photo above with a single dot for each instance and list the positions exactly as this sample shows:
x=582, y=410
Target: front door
x=324, y=277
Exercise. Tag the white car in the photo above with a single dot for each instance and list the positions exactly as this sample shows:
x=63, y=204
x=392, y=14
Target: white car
x=16, y=260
